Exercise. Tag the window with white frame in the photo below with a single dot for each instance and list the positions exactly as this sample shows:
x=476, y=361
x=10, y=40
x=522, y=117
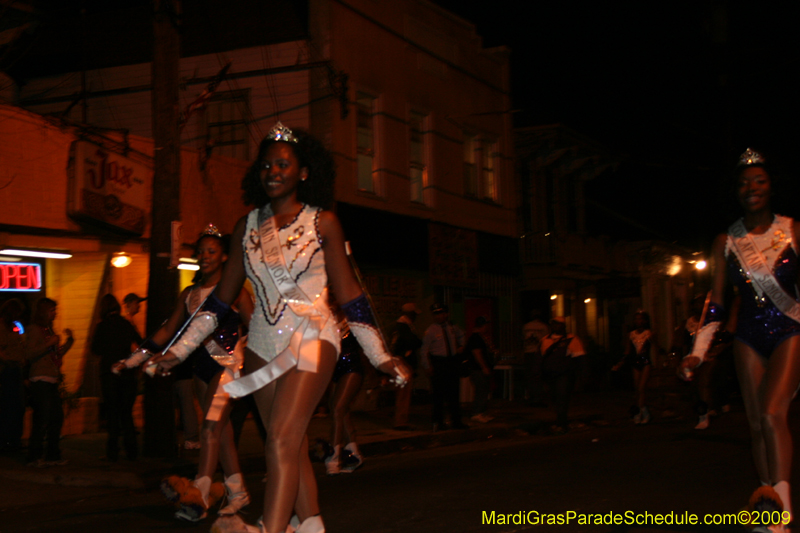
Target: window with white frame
x=471, y=148
x=418, y=172
x=226, y=123
x=366, y=141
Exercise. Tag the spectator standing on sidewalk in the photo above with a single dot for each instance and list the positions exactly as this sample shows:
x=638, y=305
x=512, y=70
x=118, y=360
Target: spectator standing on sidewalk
x=113, y=340
x=560, y=363
x=132, y=302
x=481, y=361
x=405, y=345
x=441, y=354
x=45, y=353
x=532, y=334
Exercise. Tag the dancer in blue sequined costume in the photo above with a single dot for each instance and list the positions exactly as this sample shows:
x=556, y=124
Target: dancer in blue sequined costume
x=641, y=342
x=215, y=361
x=758, y=255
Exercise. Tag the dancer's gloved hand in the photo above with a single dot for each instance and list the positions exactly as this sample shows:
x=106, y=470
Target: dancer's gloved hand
x=164, y=362
x=135, y=359
x=687, y=367
x=399, y=371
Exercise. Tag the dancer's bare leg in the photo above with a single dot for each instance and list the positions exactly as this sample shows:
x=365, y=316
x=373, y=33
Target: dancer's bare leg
x=286, y=406
x=778, y=388
x=216, y=437
x=307, y=495
x=751, y=368
x=343, y=430
x=641, y=377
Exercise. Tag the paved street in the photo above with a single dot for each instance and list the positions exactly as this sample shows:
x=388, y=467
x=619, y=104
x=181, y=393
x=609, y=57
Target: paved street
x=607, y=466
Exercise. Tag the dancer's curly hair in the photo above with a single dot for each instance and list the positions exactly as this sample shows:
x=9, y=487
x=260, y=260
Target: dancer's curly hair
x=316, y=190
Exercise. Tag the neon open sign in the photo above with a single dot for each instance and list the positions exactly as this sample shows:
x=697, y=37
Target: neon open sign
x=20, y=277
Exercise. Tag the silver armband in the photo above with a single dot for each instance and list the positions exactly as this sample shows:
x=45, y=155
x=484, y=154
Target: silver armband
x=371, y=342
x=137, y=358
x=703, y=339
x=201, y=326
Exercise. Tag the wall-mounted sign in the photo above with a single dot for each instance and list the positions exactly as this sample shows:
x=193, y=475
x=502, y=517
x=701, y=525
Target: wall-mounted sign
x=107, y=187
x=20, y=277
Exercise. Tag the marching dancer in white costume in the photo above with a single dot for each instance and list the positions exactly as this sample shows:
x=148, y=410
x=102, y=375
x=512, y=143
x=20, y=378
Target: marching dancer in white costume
x=290, y=249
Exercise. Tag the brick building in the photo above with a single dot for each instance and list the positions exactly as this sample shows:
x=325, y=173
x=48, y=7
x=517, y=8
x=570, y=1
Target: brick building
x=414, y=108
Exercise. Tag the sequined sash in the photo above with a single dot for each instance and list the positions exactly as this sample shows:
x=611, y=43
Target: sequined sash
x=304, y=348
x=759, y=272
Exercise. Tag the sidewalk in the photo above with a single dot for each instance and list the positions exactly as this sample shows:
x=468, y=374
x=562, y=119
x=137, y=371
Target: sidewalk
x=86, y=468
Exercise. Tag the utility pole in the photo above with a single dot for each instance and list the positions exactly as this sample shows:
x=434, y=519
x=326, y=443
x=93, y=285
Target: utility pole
x=159, y=427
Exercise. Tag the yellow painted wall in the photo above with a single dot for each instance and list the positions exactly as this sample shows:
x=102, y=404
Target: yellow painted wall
x=75, y=285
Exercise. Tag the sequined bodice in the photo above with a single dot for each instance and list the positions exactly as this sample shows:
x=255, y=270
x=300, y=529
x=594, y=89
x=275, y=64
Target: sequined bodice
x=641, y=341
x=784, y=269
x=273, y=321
x=778, y=249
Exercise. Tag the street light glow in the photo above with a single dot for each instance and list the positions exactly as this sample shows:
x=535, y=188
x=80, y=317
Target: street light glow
x=121, y=260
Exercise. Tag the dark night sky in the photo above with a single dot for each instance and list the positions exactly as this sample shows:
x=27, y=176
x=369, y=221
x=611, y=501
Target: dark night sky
x=676, y=89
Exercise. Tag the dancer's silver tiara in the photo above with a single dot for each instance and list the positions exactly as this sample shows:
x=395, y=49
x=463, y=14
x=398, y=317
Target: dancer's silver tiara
x=279, y=132
x=751, y=157
x=211, y=230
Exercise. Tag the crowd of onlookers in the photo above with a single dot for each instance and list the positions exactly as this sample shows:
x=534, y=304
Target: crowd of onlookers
x=441, y=355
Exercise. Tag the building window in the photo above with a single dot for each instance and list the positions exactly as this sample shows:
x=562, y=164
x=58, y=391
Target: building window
x=418, y=169
x=366, y=141
x=489, y=188
x=470, y=165
x=226, y=124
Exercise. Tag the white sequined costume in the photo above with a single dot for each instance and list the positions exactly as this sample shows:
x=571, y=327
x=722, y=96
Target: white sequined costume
x=274, y=323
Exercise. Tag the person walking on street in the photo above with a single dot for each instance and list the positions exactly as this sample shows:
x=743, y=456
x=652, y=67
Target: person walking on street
x=214, y=361
x=441, y=348
x=481, y=362
x=405, y=345
x=532, y=334
x=291, y=249
x=560, y=363
x=641, y=341
x=348, y=374
x=759, y=255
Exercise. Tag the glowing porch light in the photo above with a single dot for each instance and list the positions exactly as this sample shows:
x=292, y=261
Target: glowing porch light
x=121, y=260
